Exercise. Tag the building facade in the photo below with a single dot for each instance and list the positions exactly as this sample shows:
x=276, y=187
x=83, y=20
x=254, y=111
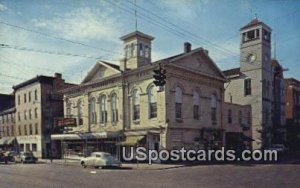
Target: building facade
x=292, y=89
x=120, y=106
x=35, y=110
x=261, y=80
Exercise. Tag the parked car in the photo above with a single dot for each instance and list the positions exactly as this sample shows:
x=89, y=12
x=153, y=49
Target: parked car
x=3, y=158
x=26, y=157
x=278, y=148
x=10, y=155
x=100, y=159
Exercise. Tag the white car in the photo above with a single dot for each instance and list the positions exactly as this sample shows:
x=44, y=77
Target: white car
x=100, y=159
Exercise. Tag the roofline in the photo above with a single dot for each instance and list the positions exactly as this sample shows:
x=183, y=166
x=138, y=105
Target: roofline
x=40, y=79
x=132, y=34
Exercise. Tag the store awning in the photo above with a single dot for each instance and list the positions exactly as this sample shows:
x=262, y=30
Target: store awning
x=3, y=140
x=10, y=140
x=131, y=140
x=83, y=136
x=6, y=140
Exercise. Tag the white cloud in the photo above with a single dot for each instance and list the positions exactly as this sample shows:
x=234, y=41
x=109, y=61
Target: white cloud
x=2, y=7
x=83, y=24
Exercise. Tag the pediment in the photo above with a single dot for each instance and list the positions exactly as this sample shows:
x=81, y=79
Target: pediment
x=100, y=70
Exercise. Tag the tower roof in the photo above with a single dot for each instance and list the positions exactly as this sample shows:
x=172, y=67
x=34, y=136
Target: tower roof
x=255, y=22
x=136, y=34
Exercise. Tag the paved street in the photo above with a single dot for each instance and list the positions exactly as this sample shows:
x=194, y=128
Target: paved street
x=53, y=175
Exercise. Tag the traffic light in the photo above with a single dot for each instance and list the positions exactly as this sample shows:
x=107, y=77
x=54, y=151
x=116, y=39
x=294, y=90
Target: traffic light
x=159, y=76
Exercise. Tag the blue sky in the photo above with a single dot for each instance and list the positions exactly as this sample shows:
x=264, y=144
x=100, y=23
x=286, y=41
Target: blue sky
x=98, y=24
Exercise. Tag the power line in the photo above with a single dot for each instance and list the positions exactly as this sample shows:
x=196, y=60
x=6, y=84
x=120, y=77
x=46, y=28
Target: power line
x=44, y=51
x=185, y=30
x=55, y=37
x=163, y=26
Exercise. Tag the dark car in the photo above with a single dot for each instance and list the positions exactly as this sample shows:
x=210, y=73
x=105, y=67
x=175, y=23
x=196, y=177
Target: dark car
x=26, y=157
x=3, y=158
x=11, y=156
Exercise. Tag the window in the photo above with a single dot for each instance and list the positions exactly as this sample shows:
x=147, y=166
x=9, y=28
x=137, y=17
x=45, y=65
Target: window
x=36, y=129
x=19, y=130
x=19, y=117
x=25, y=114
x=240, y=117
x=114, y=110
x=25, y=98
x=29, y=97
x=141, y=49
x=103, y=112
x=79, y=112
x=25, y=129
x=136, y=105
x=152, y=103
x=68, y=110
x=34, y=147
x=229, y=116
x=7, y=131
x=30, y=129
x=12, y=131
x=132, y=50
x=213, y=106
x=249, y=118
x=35, y=112
x=36, y=95
x=21, y=147
x=247, y=86
x=147, y=51
x=178, y=102
x=196, y=105
x=30, y=114
x=19, y=100
x=27, y=147
x=92, y=111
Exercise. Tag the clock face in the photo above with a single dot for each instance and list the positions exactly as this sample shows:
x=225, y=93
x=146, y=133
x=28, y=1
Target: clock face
x=251, y=58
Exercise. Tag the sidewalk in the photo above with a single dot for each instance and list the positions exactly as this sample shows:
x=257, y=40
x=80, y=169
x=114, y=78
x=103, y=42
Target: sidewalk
x=125, y=166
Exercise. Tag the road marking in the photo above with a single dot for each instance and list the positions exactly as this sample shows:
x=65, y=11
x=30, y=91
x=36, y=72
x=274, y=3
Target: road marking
x=93, y=172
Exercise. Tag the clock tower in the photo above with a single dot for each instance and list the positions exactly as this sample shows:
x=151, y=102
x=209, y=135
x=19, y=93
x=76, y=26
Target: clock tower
x=256, y=70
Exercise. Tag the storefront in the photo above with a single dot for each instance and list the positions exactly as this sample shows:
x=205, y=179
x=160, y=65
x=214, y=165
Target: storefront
x=8, y=144
x=83, y=144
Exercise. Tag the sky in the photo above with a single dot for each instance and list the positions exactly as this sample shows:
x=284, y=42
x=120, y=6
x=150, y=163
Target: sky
x=70, y=36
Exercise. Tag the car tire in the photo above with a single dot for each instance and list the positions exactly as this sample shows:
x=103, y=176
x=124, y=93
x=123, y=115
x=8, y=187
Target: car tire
x=83, y=165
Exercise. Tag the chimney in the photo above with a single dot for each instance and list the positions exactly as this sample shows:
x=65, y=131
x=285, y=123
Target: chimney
x=187, y=47
x=57, y=75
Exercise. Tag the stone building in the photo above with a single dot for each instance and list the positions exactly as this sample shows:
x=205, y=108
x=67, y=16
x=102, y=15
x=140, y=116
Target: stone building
x=120, y=106
x=256, y=76
x=35, y=109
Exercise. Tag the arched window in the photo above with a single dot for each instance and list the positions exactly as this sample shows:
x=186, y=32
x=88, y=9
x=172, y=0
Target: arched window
x=136, y=104
x=196, y=104
x=178, y=102
x=92, y=111
x=114, y=110
x=79, y=112
x=213, y=105
x=102, y=107
x=152, y=103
